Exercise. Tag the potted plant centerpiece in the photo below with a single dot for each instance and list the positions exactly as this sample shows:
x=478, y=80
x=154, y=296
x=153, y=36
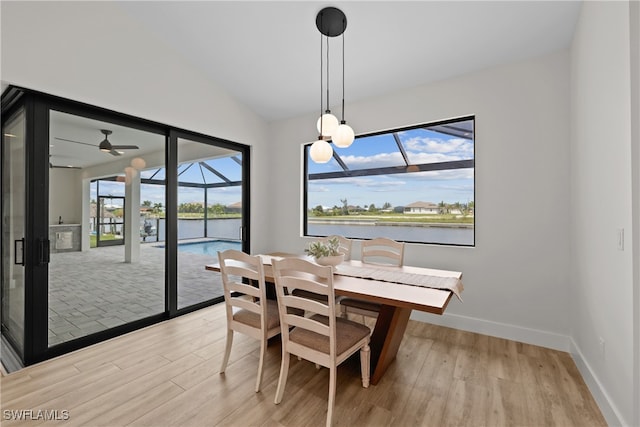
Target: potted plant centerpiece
x=326, y=253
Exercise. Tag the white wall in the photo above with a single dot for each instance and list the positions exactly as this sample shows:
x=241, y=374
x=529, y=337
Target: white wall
x=634, y=37
x=528, y=278
x=65, y=196
x=94, y=53
x=516, y=278
x=602, y=303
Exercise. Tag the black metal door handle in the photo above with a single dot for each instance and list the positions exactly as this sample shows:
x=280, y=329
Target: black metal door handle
x=18, y=261
x=43, y=251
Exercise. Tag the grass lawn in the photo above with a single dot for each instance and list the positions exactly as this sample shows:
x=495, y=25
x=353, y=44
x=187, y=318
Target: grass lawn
x=435, y=219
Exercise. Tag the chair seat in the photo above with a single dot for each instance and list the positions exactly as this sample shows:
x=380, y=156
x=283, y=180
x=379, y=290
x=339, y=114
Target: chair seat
x=347, y=334
x=253, y=319
x=360, y=304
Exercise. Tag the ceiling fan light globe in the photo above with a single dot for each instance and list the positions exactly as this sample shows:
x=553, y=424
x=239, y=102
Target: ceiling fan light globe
x=105, y=146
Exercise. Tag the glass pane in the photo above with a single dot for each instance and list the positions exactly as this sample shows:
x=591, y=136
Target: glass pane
x=377, y=151
x=13, y=222
x=426, y=145
x=331, y=166
x=110, y=219
x=209, y=216
x=429, y=200
x=97, y=199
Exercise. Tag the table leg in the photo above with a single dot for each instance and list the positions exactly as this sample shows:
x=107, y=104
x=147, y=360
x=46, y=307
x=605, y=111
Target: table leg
x=386, y=338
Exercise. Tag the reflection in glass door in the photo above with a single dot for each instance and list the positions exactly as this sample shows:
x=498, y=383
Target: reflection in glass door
x=13, y=230
x=106, y=278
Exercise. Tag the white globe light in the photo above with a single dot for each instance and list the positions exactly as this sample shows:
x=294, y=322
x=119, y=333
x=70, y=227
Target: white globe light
x=329, y=124
x=343, y=136
x=138, y=163
x=321, y=151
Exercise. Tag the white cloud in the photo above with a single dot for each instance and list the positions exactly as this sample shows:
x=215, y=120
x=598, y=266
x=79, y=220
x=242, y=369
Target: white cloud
x=451, y=149
x=376, y=161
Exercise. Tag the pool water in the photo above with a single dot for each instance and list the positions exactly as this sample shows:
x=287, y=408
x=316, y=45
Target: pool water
x=210, y=247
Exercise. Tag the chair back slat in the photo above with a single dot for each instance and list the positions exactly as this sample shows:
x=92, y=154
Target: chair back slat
x=382, y=250
x=308, y=324
x=239, y=265
x=241, y=269
x=306, y=304
x=244, y=289
x=247, y=304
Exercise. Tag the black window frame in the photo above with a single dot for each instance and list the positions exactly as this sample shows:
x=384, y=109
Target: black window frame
x=424, y=167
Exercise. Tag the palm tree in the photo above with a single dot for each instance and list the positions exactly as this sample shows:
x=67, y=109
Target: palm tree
x=157, y=208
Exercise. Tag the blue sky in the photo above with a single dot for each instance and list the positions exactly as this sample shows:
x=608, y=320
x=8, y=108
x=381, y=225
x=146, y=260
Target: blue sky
x=421, y=146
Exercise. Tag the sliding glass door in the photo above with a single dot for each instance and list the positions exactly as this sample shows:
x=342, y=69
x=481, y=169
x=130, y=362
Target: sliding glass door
x=210, y=215
x=101, y=214
x=101, y=277
x=13, y=230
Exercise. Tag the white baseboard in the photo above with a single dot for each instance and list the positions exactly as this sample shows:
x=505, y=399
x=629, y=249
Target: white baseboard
x=608, y=409
x=534, y=337
x=496, y=329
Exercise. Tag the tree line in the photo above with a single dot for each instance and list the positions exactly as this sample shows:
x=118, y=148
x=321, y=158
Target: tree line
x=345, y=209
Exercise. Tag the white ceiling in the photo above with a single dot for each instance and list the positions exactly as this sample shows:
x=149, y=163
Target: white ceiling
x=267, y=54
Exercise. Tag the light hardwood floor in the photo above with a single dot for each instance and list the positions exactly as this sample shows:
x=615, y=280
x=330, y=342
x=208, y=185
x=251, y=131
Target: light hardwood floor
x=167, y=375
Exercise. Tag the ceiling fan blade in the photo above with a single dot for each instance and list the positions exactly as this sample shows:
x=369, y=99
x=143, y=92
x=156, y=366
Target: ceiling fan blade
x=113, y=152
x=75, y=142
x=63, y=167
x=125, y=147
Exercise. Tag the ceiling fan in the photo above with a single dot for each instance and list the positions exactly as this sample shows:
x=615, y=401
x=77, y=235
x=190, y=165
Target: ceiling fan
x=105, y=145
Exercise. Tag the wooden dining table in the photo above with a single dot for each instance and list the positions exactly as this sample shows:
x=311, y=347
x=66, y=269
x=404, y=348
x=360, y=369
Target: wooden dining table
x=397, y=300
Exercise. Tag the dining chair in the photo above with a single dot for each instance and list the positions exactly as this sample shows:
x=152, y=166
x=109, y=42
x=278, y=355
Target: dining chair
x=345, y=244
x=345, y=248
x=248, y=309
x=319, y=337
x=382, y=250
x=378, y=251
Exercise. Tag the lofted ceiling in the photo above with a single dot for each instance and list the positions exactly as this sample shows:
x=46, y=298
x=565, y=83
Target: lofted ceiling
x=266, y=54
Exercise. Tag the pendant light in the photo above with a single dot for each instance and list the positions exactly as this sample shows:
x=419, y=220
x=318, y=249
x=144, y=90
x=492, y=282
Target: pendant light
x=321, y=151
x=331, y=22
x=343, y=136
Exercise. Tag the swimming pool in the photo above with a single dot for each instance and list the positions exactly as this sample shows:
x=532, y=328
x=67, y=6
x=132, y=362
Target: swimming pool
x=210, y=247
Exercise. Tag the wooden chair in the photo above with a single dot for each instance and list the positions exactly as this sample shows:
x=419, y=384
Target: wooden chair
x=248, y=309
x=381, y=251
x=321, y=338
x=345, y=245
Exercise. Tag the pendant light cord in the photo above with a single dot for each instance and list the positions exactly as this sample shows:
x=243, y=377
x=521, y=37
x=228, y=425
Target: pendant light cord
x=328, y=74
x=321, y=87
x=343, y=74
